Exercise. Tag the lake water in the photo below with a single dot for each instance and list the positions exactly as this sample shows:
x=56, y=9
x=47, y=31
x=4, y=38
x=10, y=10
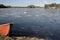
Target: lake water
x=38, y=22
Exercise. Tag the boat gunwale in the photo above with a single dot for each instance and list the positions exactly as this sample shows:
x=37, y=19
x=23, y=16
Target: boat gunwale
x=4, y=24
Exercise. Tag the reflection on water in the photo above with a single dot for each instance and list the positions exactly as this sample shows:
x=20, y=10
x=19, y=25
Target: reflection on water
x=38, y=22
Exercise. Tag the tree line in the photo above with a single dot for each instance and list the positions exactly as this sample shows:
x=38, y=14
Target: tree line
x=29, y=6
x=3, y=6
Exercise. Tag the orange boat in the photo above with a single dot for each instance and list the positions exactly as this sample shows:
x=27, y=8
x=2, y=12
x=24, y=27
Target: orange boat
x=4, y=29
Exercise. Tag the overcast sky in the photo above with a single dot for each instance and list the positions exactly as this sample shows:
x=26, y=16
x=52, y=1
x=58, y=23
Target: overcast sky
x=27, y=2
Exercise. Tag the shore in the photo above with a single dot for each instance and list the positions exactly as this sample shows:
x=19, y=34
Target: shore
x=19, y=38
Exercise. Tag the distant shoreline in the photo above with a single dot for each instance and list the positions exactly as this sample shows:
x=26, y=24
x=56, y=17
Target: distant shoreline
x=24, y=7
x=29, y=6
x=46, y=6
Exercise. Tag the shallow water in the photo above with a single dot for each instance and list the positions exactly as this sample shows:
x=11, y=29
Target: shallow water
x=38, y=22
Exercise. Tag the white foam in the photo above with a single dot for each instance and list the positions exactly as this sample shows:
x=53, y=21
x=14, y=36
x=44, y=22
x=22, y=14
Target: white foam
x=25, y=12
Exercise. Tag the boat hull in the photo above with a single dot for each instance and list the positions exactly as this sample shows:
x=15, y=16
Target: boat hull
x=4, y=29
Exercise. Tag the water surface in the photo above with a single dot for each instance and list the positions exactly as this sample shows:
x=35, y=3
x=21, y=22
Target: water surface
x=38, y=22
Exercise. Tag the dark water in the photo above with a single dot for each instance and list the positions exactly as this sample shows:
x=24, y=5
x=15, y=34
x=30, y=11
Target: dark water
x=38, y=22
